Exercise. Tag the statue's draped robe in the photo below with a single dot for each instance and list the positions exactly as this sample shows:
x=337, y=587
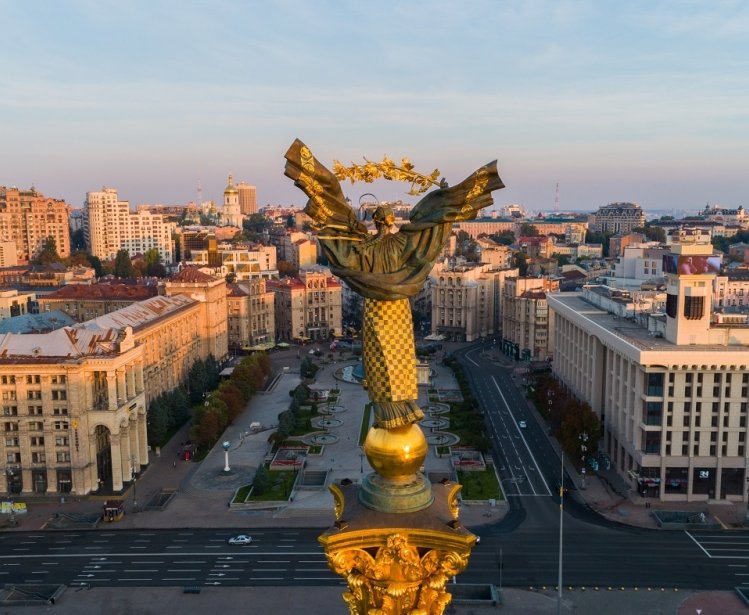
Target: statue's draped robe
x=387, y=268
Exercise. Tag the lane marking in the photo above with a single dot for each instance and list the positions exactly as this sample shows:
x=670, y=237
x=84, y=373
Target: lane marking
x=698, y=544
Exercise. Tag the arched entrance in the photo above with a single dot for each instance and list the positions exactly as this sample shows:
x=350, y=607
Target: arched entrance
x=103, y=457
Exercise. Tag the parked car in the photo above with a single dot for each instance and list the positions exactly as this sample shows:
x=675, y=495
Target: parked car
x=522, y=424
x=242, y=539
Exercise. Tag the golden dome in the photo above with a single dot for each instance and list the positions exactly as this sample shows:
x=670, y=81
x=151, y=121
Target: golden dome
x=230, y=188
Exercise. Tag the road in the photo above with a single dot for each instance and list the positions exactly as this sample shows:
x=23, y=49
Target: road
x=596, y=552
x=593, y=556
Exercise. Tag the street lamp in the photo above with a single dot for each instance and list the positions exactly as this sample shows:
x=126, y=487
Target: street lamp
x=135, y=478
x=9, y=479
x=226, y=444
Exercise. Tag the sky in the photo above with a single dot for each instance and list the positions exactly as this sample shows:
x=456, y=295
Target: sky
x=645, y=102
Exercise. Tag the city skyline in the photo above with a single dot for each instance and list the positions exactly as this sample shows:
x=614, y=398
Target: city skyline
x=642, y=103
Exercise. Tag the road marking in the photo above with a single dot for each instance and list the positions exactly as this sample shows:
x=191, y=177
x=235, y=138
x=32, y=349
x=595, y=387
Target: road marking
x=543, y=480
x=140, y=570
x=266, y=578
x=698, y=544
x=273, y=561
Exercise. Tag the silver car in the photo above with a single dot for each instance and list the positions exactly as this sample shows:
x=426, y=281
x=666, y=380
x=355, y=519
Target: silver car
x=242, y=539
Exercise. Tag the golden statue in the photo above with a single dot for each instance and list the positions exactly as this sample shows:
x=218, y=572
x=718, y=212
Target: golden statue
x=387, y=268
x=397, y=539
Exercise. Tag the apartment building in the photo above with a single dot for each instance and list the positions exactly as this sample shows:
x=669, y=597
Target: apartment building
x=86, y=301
x=617, y=218
x=307, y=307
x=463, y=302
x=252, y=317
x=247, y=199
x=109, y=226
x=28, y=218
x=527, y=324
x=672, y=391
x=73, y=410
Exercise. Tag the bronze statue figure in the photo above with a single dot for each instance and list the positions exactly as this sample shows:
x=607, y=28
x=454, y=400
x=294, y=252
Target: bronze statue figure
x=387, y=268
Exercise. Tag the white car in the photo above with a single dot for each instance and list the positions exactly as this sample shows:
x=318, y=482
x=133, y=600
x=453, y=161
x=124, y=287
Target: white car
x=242, y=539
x=522, y=424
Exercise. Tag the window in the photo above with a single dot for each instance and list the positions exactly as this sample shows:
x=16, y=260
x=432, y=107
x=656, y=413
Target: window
x=10, y=410
x=60, y=412
x=33, y=394
x=58, y=379
x=58, y=395
x=62, y=441
x=8, y=380
x=36, y=426
x=37, y=441
x=61, y=425
x=694, y=307
x=655, y=385
x=35, y=410
x=63, y=457
x=11, y=442
x=38, y=457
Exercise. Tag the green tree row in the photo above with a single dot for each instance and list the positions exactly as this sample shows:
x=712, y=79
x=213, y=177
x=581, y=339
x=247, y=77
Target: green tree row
x=166, y=413
x=568, y=417
x=228, y=401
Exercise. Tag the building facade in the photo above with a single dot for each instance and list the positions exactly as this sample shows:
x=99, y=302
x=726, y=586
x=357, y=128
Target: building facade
x=87, y=301
x=109, y=226
x=307, y=307
x=672, y=393
x=74, y=411
x=617, y=218
x=252, y=316
x=247, y=199
x=28, y=218
x=527, y=324
x=463, y=302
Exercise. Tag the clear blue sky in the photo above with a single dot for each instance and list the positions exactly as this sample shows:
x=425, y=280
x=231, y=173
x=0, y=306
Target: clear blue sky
x=617, y=101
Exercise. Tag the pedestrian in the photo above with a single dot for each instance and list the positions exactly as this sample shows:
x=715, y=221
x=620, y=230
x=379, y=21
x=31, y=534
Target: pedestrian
x=174, y=464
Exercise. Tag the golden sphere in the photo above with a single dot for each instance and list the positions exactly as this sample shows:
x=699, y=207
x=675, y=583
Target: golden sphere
x=396, y=453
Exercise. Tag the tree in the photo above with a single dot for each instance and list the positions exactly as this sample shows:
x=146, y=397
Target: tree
x=287, y=269
x=520, y=260
x=48, y=253
x=261, y=482
x=158, y=421
x=652, y=233
x=77, y=241
x=154, y=266
x=505, y=238
x=528, y=230
x=123, y=266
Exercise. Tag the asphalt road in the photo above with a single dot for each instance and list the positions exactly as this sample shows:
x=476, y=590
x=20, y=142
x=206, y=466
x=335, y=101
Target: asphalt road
x=521, y=551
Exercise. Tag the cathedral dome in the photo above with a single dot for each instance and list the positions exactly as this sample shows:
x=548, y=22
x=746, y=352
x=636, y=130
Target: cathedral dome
x=231, y=188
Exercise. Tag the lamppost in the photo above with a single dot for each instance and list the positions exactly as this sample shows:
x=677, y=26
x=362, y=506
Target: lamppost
x=226, y=444
x=583, y=450
x=9, y=479
x=135, y=479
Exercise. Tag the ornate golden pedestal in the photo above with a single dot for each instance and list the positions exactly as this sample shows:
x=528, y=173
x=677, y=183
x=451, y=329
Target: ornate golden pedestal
x=397, y=563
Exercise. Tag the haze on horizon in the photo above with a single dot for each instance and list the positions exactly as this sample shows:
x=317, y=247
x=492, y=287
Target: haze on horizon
x=638, y=101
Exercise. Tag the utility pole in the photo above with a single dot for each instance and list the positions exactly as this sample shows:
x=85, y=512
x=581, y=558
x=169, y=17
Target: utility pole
x=561, y=523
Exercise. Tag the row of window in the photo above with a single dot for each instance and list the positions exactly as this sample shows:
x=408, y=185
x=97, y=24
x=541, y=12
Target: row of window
x=36, y=426
x=13, y=441
x=35, y=394
x=38, y=457
x=33, y=379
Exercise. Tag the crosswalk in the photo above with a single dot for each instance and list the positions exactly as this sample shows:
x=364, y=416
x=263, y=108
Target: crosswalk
x=730, y=546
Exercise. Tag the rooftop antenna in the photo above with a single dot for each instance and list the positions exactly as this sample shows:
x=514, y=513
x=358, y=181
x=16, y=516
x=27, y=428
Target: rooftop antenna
x=556, y=200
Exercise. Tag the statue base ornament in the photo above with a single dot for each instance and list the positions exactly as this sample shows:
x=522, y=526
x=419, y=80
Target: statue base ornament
x=397, y=564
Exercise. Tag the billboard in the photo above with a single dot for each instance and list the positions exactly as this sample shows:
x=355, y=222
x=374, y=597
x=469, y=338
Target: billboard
x=690, y=265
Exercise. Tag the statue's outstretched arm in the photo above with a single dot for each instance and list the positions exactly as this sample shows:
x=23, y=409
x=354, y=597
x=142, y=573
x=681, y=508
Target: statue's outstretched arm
x=326, y=206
